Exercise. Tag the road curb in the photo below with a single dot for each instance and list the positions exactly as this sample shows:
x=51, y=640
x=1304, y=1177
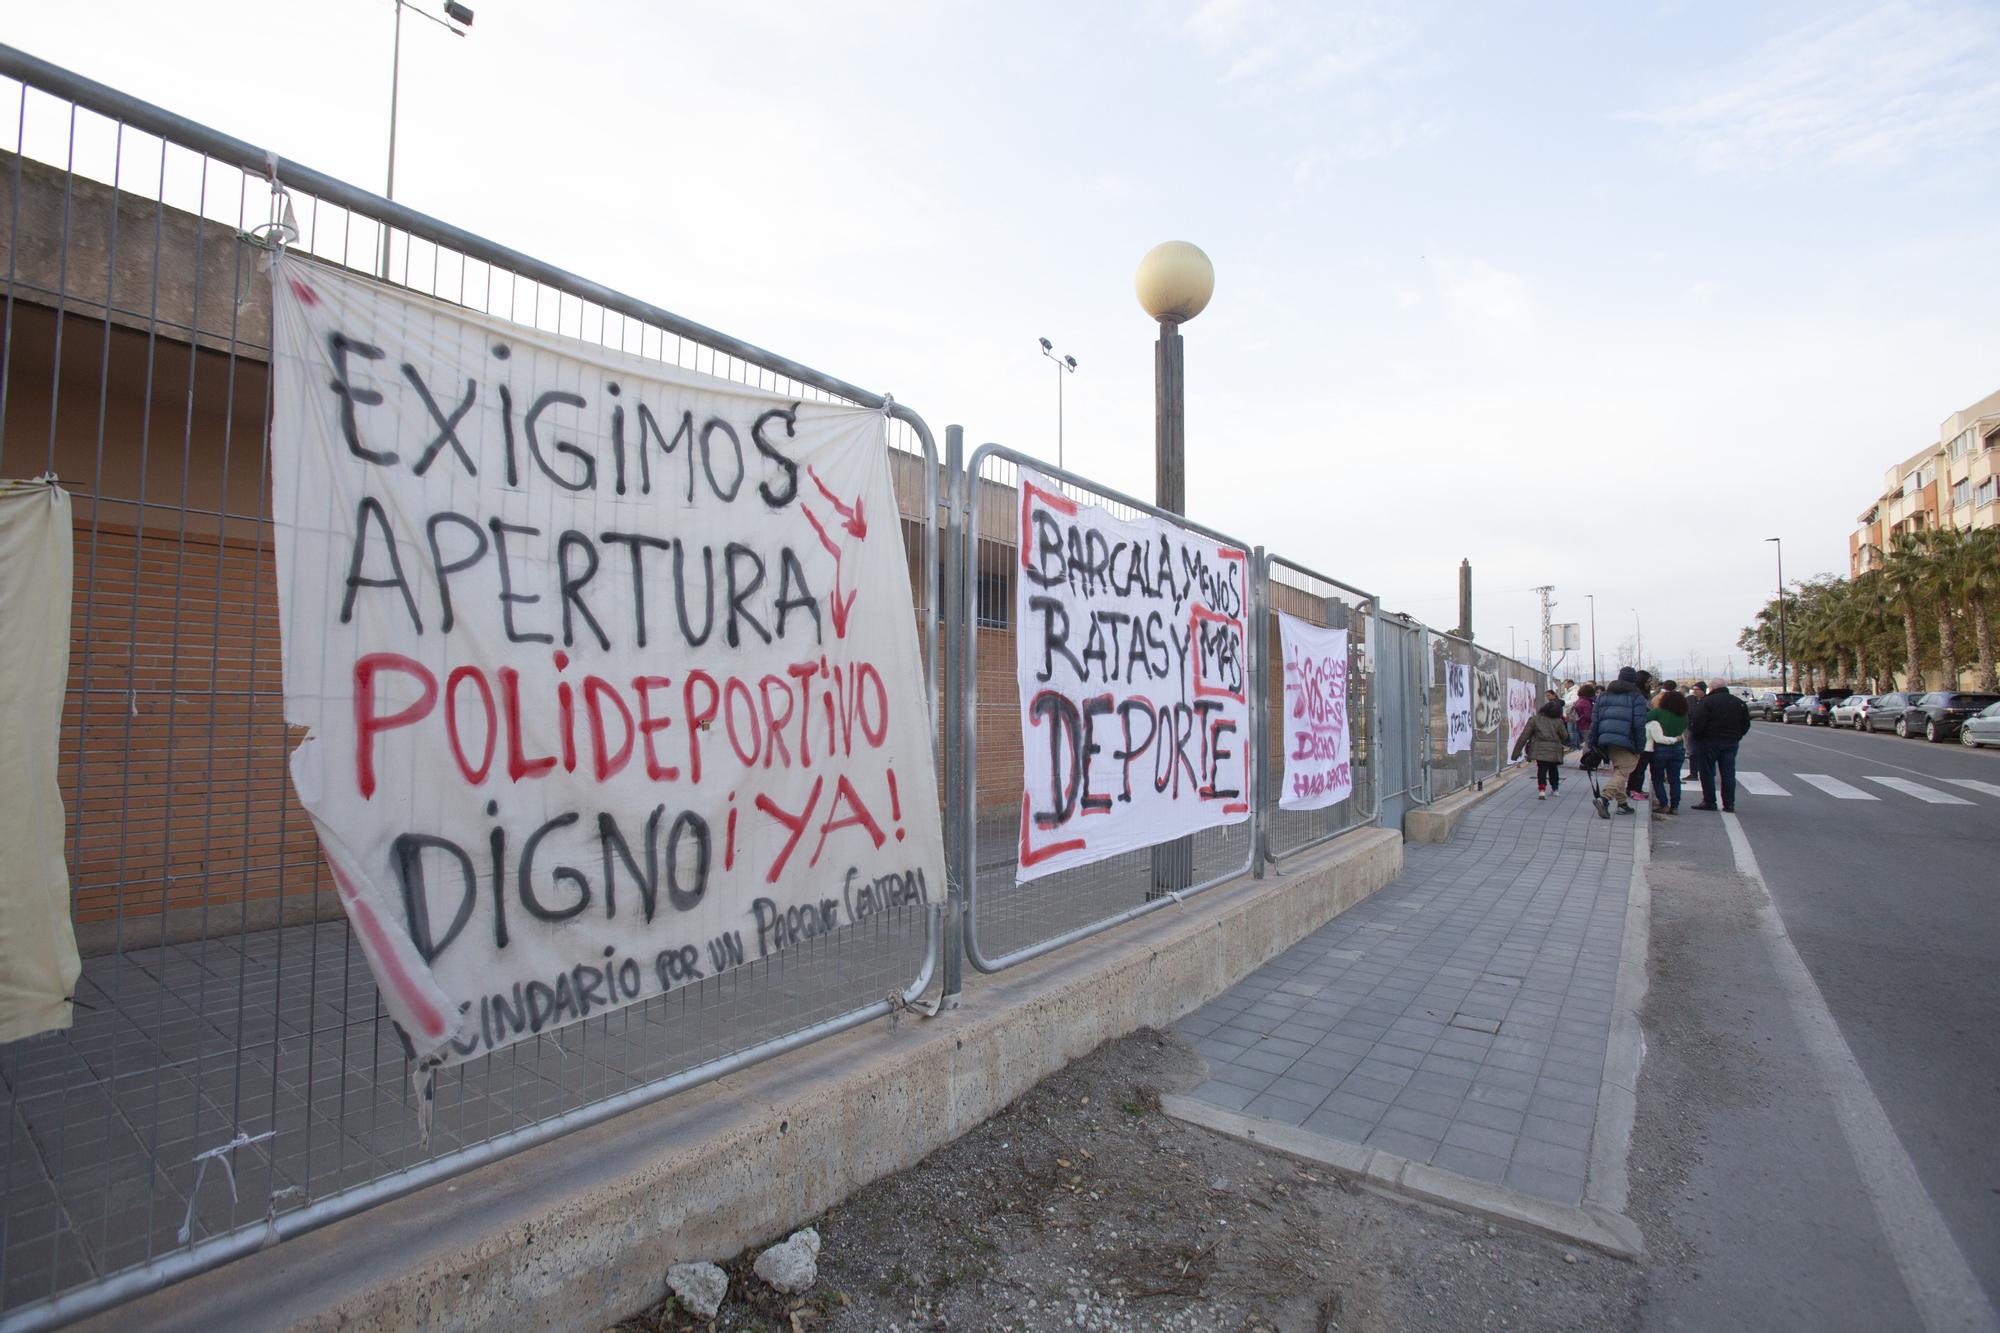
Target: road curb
x=1609, y=1183
x=1586, y=1224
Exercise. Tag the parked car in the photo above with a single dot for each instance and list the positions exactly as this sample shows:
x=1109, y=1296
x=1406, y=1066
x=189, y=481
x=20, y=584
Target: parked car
x=1885, y=711
x=1849, y=711
x=1770, y=705
x=1941, y=713
x=1982, y=728
x=1815, y=710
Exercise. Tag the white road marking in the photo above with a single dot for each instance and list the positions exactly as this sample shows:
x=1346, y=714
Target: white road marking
x=1919, y=790
x=1938, y=1279
x=1834, y=787
x=1985, y=788
x=1759, y=785
x=1873, y=759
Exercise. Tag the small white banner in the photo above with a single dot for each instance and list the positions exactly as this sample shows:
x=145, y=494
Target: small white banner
x=1132, y=664
x=610, y=668
x=1318, y=772
x=1457, y=708
x=1488, y=703
x=1520, y=709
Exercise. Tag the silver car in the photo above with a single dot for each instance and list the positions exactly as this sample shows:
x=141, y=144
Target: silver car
x=1982, y=728
x=1852, y=711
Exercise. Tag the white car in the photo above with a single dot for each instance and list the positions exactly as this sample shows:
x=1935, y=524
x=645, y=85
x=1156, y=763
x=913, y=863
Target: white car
x=1982, y=728
x=1852, y=711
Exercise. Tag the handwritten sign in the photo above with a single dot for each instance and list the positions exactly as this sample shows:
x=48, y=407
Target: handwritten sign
x=1457, y=708
x=609, y=667
x=1486, y=701
x=1317, y=768
x=1133, y=671
x=1520, y=709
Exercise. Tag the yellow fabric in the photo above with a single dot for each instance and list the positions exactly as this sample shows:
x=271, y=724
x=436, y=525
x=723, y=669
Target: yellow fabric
x=38, y=960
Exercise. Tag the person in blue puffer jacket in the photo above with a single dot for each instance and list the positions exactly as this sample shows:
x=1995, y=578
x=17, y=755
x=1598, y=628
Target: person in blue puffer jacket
x=1618, y=728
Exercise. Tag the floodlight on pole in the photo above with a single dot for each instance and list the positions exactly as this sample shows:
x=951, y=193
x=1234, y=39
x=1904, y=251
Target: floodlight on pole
x=1065, y=365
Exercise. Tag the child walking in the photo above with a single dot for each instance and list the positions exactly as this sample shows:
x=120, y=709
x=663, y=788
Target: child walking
x=1546, y=740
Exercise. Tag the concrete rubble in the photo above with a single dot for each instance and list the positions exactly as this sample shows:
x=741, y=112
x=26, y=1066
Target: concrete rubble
x=698, y=1287
x=792, y=1265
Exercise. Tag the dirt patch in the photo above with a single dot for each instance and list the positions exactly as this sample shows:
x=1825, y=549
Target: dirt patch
x=1081, y=1206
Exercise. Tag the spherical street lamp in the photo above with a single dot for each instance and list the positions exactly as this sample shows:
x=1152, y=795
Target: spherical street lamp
x=1173, y=284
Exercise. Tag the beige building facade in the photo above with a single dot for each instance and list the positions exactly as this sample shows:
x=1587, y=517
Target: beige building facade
x=1951, y=483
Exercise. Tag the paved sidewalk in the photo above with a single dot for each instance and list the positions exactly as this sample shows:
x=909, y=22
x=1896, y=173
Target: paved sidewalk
x=1459, y=1017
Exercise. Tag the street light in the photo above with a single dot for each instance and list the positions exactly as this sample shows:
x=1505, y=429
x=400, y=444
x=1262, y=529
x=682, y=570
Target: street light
x=1638, y=642
x=1173, y=285
x=1065, y=365
x=1784, y=665
x=1593, y=637
x=456, y=20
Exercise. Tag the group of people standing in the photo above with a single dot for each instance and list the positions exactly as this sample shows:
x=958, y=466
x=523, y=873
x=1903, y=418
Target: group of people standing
x=1638, y=729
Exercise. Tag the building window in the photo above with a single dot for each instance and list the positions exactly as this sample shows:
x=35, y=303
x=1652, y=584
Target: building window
x=995, y=596
x=1984, y=495
x=1928, y=475
x=1961, y=493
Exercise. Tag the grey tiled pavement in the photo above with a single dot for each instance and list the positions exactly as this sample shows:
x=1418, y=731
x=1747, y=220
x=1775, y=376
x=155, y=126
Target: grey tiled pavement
x=1457, y=1017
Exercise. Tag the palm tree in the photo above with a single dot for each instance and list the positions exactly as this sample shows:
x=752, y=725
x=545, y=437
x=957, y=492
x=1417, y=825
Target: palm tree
x=1904, y=581
x=1982, y=590
x=1942, y=559
x=1869, y=612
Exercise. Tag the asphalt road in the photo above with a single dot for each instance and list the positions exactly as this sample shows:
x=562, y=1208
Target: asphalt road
x=1884, y=868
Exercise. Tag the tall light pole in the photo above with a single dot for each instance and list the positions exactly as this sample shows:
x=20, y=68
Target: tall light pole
x=1173, y=285
x=456, y=15
x=1593, y=636
x=1065, y=365
x=1784, y=663
x=1638, y=641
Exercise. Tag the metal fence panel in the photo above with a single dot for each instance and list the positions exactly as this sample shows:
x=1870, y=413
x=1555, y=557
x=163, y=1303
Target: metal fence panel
x=1447, y=773
x=1400, y=686
x=231, y=1076
x=1006, y=922
x=1318, y=600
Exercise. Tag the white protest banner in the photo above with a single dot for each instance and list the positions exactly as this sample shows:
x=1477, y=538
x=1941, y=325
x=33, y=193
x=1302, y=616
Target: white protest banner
x=1457, y=708
x=1317, y=768
x=609, y=667
x=1520, y=709
x=1486, y=700
x=1132, y=665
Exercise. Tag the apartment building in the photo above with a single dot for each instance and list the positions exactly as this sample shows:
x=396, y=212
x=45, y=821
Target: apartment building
x=1954, y=482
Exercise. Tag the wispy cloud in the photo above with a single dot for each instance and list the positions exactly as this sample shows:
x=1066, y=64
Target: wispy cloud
x=1487, y=302
x=1286, y=47
x=1865, y=91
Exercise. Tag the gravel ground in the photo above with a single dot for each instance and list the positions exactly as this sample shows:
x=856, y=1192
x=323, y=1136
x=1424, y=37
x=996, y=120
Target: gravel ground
x=1081, y=1206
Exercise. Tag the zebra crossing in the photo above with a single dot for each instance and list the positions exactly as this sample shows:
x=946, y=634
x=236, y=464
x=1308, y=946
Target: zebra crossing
x=1765, y=784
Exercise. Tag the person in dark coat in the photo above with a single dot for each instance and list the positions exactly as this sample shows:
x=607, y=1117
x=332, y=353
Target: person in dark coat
x=1719, y=723
x=1546, y=740
x=1618, y=728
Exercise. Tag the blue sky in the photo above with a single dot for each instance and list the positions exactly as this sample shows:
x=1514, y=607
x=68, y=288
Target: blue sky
x=1595, y=295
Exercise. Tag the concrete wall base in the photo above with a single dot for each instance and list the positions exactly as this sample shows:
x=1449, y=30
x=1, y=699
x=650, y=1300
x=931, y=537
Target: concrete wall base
x=578, y=1233
x=1436, y=823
